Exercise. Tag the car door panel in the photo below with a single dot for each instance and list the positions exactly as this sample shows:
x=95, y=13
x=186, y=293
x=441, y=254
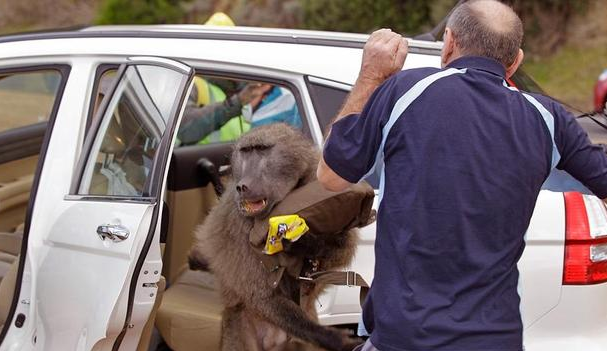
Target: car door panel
x=90, y=307
x=81, y=285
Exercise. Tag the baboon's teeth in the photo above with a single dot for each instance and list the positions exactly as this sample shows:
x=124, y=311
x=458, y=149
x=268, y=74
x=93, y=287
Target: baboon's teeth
x=254, y=206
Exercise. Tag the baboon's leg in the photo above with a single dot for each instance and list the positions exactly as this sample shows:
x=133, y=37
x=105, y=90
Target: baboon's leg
x=197, y=261
x=285, y=314
x=296, y=345
x=235, y=334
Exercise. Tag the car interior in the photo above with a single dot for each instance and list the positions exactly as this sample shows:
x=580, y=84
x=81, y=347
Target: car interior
x=187, y=312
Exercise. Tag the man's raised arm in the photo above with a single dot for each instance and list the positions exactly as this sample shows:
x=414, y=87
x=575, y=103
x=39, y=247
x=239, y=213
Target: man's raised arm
x=383, y=55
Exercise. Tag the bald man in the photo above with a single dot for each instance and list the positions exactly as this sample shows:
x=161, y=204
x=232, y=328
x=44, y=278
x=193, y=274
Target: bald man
x=461, y=157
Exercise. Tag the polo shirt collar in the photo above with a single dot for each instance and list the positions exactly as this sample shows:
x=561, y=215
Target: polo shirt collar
x=482, y=63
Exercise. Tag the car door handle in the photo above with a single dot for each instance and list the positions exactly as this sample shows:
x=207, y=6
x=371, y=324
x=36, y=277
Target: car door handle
x=114, y=232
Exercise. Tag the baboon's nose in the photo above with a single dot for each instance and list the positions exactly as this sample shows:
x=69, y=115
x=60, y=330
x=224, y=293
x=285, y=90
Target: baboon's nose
x=241, y=188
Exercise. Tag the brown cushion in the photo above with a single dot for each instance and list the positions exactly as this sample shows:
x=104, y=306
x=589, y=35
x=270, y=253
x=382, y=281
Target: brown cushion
x=189, y=317
x=325, y=212
x=10, y=243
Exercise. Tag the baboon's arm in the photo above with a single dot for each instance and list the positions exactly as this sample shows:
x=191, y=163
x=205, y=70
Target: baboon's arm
x=287, y=315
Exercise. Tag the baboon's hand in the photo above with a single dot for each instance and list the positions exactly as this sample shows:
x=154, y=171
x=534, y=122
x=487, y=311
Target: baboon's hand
x=288, y=316
x=337, y=339
x=349, y=340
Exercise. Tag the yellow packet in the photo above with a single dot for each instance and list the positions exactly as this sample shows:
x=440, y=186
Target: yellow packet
x=290, y=227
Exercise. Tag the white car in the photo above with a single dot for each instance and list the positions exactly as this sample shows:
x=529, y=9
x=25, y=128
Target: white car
x=97, y=205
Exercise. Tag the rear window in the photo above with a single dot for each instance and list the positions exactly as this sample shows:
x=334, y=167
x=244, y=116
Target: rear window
x=524, y=82
x=327, y=101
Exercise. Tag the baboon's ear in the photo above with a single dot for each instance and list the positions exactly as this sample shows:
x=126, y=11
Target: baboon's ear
x=309, y=174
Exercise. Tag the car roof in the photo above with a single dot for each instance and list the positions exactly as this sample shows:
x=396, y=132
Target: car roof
x=195, y=31
x=332, y=55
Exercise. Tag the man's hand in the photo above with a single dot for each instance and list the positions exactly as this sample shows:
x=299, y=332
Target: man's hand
x=383, y=55
x=253, y=93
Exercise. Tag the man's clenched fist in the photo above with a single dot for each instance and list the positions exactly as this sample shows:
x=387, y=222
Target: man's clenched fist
x=383, y=55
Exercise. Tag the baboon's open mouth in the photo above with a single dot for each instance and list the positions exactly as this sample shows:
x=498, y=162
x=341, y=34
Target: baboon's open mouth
x=251, y=207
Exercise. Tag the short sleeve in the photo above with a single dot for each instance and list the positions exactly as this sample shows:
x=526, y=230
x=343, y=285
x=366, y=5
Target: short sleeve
x=579, y=157
x=352, y=146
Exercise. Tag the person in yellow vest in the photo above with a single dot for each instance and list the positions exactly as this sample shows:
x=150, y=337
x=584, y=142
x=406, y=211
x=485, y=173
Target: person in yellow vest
x=209, y=115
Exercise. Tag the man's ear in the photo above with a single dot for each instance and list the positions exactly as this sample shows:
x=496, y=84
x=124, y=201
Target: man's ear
x=516, y=64
x=448, y=47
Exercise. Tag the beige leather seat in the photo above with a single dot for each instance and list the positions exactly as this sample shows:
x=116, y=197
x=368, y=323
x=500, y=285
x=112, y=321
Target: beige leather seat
x=14, y=196
x=10, y=246
x=7, y=289
x=189, y=317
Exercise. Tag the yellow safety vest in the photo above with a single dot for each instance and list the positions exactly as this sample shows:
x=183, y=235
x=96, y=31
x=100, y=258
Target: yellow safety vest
x=209, y=93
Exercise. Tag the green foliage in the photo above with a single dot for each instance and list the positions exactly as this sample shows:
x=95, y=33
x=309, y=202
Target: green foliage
x=570, y=74
x=410, y=16
x=140, y=12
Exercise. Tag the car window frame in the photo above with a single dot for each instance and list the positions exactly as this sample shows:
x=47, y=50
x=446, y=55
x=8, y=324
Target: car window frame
x=65, y=70
x=99, y=72
x=312, y=81
x=158, y=167
x=306, y=128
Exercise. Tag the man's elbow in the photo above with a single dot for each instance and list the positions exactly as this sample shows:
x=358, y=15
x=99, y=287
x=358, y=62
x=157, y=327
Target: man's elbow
x=329, y=179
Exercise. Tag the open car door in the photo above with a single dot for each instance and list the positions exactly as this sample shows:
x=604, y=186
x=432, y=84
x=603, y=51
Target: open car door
x=93, y=257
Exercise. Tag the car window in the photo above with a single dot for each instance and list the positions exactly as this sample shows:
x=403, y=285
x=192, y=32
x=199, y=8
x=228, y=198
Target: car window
x=222, y=109
x=27, y=98
x=327, y=101
x=523, y=81
x=130, y=131
x=106, y=79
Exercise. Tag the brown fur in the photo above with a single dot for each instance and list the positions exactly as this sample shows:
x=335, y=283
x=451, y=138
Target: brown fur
x=269, y=162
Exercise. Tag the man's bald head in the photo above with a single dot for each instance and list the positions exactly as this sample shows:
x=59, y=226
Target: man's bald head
x=487, y=28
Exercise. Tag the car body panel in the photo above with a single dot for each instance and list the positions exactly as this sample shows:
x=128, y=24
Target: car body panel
x=305, y=59
x=540, y=267
x=576, y=323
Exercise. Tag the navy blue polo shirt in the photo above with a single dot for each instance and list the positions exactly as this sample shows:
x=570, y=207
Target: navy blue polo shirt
x=462, y=159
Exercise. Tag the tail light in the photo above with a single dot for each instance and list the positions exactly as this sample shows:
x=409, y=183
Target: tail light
x=585, y=240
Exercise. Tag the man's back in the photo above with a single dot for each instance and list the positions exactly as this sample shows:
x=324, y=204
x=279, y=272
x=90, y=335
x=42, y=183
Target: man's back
x=462, y=175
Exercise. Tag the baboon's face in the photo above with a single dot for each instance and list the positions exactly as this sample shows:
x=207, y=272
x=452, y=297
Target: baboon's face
x=263, y=176
x=267, y=164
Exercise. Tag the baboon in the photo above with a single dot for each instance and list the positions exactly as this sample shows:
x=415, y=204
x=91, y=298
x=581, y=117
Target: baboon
x=268, y=163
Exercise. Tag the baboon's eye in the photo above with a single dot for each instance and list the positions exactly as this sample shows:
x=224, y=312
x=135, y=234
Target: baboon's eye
x=258, y=147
